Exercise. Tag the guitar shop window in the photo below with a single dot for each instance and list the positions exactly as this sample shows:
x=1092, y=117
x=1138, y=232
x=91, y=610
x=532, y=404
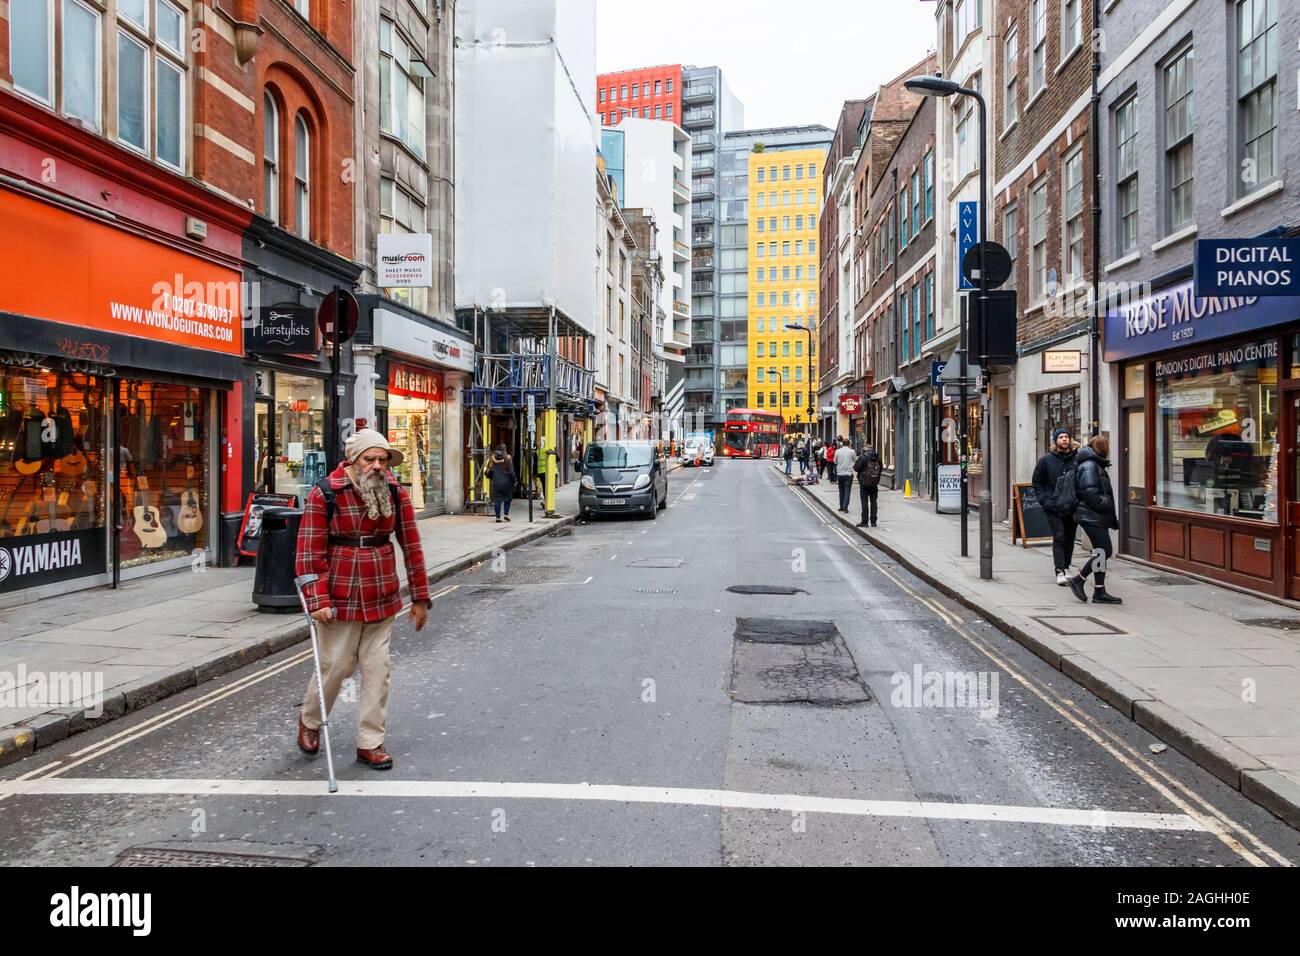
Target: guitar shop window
x=162, y=442
x=52, y=440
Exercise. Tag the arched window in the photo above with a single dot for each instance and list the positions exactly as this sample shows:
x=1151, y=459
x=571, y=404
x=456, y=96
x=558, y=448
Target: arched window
x=302, y=177
x=271, y=157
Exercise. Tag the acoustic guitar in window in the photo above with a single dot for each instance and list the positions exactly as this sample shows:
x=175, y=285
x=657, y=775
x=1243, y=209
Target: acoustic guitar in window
x=190, y=520
x=146, y=521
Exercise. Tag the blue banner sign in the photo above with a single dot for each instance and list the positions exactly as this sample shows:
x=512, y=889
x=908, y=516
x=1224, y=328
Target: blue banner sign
x=936, y=369
x=1177, y=317
x=968, y=234
x=1254, y=267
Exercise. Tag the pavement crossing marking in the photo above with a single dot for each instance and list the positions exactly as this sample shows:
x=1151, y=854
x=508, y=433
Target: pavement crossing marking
x=1120, y=749
x=613, y=793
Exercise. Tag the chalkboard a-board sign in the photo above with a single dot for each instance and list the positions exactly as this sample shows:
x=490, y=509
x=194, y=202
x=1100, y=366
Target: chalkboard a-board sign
x=250, y=529
x=1028, y=519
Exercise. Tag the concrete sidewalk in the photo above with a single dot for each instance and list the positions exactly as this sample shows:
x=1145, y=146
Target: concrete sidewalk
x=1213, y=672
x=157, y=636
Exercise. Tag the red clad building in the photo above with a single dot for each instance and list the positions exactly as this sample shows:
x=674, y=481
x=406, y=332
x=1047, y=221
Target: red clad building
x=654, y=92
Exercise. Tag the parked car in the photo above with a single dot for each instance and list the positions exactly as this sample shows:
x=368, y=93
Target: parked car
x=697, y=454
x=623, y=477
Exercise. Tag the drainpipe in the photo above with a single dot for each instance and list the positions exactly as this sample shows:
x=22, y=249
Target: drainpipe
x=1094, y=350
x=247, y=30
x=898, y=332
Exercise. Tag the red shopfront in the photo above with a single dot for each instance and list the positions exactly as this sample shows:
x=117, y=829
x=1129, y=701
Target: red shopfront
x=117, y=349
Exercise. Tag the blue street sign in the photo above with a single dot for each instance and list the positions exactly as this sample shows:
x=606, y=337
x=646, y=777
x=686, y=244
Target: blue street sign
x=936, y=369
x=967, y=236
x=1247, y=267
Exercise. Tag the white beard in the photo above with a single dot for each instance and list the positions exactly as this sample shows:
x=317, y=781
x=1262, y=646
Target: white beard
x=374, y=493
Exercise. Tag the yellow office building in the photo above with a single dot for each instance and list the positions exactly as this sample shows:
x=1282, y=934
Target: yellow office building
x=784, y=199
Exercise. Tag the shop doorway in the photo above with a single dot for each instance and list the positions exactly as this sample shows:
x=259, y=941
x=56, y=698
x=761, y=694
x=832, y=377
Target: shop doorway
x=1289, y=450
x=1133, y=440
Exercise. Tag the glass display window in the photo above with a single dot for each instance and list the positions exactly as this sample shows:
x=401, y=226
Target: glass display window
x=1058, y=409
x=53, y=435
x=416, y=420
x=1216, y=431
x=164, y=479
x=290, y=432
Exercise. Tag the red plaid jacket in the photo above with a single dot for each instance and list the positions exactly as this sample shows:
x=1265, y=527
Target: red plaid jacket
x=360, y=583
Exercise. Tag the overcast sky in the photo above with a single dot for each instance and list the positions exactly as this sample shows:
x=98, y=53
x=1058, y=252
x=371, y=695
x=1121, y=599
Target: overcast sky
x=789, y=61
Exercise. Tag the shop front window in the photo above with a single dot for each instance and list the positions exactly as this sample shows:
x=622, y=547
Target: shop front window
x=1058, y=410
x=298, y=456
x=416, y=416
x=1216, y=432
x=162, y=448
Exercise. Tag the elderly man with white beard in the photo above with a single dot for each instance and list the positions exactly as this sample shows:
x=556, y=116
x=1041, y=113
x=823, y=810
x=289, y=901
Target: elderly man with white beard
x=349, y=520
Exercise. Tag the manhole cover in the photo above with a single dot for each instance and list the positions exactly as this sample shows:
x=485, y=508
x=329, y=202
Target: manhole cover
x=1279, y=623
x=532, y=574
x=764, y=589
x=1077, y=626
x=777, y=661
x=158, y=856
x=657, y=563
x=776, y=630
x=656, y=590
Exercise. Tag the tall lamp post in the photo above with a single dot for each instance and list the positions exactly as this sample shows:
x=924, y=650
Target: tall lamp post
x=812, y=405
x=938, y=86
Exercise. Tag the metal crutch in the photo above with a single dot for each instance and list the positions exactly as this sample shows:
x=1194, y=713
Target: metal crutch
x=299, y=583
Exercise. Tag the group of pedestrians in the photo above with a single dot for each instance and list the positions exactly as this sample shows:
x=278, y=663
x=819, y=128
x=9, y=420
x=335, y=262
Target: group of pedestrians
x=837, y=460
x=1074, y=487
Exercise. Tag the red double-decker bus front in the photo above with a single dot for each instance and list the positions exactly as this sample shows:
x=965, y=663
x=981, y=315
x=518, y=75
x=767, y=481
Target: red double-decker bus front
x=751, y=433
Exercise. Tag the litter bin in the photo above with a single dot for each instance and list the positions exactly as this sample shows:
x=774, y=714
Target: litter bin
x=277, y=552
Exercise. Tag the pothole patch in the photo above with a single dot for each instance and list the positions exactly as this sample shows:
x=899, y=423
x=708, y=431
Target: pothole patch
x=1277, y=623
x=790, y=661
x=151, y=856
x=532, y=574
x=765, y=589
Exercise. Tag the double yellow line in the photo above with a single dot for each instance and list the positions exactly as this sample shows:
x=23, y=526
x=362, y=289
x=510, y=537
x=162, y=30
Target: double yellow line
x=1175, y=791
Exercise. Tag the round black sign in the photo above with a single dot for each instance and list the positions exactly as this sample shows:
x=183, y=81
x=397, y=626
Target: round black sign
x=351, y=315
x=996, y=260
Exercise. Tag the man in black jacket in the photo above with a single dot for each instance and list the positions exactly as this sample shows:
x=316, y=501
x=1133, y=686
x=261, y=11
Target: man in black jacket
x=868, y=466
x=1046, y=474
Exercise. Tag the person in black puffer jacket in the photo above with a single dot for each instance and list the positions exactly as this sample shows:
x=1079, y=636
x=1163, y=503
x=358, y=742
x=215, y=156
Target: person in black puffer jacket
x=1095, y=514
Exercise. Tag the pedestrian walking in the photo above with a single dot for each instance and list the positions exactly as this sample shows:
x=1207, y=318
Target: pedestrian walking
x=787, y=452
x=843, y=462
x=1053, y=477
x=802, y=454
x=831, y=447
x=501, y=482
x=818, y=454
x=1096, y=515
x=349, y=520
x=868, y=467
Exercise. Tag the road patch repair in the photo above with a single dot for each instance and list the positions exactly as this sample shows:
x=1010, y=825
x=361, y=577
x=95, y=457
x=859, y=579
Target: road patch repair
x=791, y=661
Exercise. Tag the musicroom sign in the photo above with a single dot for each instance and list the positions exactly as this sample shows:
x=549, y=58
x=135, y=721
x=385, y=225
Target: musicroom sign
x=1247, y=267
x=405, y=260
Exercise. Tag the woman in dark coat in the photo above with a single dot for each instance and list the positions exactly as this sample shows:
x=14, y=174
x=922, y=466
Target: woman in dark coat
x=1095, y=513
x=501, y=475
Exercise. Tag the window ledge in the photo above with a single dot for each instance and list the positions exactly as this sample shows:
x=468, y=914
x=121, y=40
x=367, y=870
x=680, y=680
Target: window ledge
x=1065, y=60
x=1007, y=132
x=1109, y=5
x=1184, y=233
x=1029, y=103
x=1123, y=261
x=1251, y=198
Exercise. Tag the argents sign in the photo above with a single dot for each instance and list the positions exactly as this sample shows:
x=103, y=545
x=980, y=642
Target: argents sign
x=1176, y=317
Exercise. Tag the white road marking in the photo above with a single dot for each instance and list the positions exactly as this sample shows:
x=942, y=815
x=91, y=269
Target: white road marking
x=589, y=577
x=727, y=799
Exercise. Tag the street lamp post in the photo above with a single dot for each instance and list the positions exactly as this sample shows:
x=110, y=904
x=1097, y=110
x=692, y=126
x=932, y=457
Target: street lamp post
x=938, y=86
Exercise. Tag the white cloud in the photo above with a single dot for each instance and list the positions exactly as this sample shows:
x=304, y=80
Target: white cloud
x=789, y=61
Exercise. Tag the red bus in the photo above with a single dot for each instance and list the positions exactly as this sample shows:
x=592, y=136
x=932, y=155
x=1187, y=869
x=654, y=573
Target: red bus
x=751, y=433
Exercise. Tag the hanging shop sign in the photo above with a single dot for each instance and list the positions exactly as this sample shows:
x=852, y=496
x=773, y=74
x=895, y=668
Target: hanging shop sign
x=286, y=329
x=850, y=404
x=414, y=382
x=76, y=270
x=405, y=260
x=967, y=237
x=1177, y=317
x=1255, y=267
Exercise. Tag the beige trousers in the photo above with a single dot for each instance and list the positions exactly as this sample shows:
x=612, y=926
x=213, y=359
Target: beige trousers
x=344, y=645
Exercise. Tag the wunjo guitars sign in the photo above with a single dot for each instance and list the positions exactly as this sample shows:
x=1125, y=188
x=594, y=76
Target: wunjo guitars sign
x=1177, y=317
x=1255, y=267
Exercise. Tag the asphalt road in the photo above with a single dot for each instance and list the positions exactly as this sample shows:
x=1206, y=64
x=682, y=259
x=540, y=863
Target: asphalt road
x=583, y=700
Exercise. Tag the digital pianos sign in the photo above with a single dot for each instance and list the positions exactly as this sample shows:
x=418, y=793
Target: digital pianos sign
x=1249, y=267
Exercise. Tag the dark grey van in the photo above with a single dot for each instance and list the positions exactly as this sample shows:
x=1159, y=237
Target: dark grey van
x=623, y=477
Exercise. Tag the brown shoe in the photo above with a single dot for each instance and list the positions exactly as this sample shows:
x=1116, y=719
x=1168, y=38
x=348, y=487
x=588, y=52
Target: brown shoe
x=308, y=739
x=375, y=759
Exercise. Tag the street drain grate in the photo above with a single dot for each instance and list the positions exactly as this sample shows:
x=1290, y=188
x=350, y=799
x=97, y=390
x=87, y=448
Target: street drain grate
x=657, y=563
x=533, y=574
x=1078, y=626
x=784, y=661
x=764, y=589
x=158, y=856
x=1277, y=623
